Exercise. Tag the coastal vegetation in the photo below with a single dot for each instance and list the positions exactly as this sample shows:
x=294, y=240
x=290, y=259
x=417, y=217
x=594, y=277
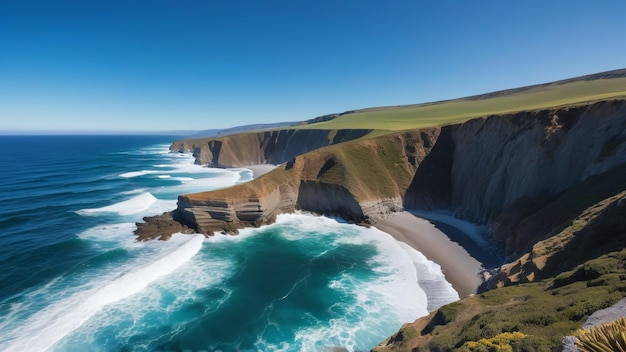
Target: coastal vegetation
x=544, y=312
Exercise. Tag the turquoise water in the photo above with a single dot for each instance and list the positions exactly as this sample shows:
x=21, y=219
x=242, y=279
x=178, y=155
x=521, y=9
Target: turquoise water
x=74, y=279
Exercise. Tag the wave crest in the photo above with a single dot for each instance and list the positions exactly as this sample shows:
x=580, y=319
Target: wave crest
x=126, y=207
x=51, y=324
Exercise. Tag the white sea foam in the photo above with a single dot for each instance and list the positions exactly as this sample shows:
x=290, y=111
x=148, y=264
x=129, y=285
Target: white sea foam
x=191, y=177
x=393, y=260
x=110, y=233
x=160, y=302
x=431, y=279
x=134, y=191
x=138, y=173
x=214, y=180
x=48, y=326
x=158, y=207
x=127, y=207
x=183, y=179
x=404, y=294
x=150, y=150
x=382, y=305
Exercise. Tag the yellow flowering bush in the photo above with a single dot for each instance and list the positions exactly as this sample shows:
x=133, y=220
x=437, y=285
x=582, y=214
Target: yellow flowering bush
x=500, y=342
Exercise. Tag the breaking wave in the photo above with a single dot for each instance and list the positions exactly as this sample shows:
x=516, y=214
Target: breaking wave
x=45, y=328
x=126, y=207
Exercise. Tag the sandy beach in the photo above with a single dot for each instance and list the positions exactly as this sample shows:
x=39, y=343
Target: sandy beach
x=460, y=268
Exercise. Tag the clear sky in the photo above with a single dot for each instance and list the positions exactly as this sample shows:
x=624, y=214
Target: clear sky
x=190, y=64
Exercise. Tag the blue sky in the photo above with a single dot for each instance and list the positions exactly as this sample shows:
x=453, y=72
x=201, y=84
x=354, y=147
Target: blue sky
x=183, y=65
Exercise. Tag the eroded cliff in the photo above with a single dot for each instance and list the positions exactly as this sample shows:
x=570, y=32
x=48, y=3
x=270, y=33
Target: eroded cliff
x=361, y=181
x=268, y=147
x=502, y=169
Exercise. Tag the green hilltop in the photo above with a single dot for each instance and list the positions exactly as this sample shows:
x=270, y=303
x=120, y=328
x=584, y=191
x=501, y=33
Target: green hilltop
x=585, y=89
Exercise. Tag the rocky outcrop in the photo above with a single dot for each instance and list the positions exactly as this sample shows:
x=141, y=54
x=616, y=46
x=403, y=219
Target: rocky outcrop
x=161, y=227
x=269, y=147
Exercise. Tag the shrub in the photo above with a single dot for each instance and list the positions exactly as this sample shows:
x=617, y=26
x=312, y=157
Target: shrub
x=590, y=270
x=595, y=269
x=500, y=342
x=449, y=311
x=591, y=303
x=532, y=344
x=540, y=318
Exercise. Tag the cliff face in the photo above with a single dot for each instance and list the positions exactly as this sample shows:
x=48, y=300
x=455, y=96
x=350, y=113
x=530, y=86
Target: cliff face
x=502, y=169
x=361, y=181
x=270, y=147
x=519, y=174
x=533, y=155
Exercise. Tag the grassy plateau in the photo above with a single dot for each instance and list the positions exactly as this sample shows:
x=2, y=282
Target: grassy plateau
x=399, y=118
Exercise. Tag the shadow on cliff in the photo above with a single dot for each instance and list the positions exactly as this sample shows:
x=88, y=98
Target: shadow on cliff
x=541, y=188
x=594, y=210
x=431, y=185
x=430, y=189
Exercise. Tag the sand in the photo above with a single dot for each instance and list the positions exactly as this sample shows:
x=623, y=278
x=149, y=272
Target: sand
x=459, y=267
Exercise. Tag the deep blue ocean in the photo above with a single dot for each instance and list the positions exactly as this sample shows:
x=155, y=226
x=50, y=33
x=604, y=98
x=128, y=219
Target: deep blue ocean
x=73, y=278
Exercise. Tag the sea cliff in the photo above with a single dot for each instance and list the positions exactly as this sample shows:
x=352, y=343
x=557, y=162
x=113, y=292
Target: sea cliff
x=499, y=169
x=268, y=147
x=492, y=170
x=361, y=181
x=549, y=185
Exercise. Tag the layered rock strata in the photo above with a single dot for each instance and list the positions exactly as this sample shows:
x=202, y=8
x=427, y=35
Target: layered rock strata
x=331, y=180
x=269, y=147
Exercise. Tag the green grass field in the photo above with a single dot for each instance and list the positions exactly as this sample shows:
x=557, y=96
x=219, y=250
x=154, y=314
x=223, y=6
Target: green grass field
x=454, y=111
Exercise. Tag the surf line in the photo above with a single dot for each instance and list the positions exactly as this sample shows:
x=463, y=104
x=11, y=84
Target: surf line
x=126, y=207
x=47, y=327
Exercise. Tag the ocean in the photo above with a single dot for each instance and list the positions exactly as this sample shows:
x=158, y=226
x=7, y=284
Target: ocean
x=73, y=278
